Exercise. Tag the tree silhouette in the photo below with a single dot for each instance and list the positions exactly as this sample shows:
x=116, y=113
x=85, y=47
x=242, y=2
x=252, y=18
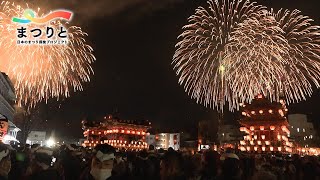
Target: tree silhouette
x=28, y=119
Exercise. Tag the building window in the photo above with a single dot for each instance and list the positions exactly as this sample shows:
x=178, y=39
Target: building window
x=303, y=130
x=311, y=136
x=297, y=129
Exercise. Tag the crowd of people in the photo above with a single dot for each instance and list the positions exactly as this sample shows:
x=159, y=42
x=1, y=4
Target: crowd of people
x=69, y=162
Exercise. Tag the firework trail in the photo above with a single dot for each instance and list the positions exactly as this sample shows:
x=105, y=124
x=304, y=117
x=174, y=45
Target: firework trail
x=237, y=49
x=40, y=72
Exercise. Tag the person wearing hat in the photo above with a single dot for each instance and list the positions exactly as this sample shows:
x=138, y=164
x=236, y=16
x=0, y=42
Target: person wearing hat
x=119, y=167
x=210, y=164
x=5, y=161
x=68, y=163
x=41, y=165
x=34, y=148
x=230, y=166
x=101, y=164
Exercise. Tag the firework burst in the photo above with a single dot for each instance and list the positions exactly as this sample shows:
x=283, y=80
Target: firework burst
x=303, y=63
x=256, y=57
x=237, y=49
x=40, y=72
x=202, y=49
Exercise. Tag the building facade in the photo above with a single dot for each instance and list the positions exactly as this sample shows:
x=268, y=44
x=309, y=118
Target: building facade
x=37, y=137
x=8, y=131
x=167, y=140
x=7, y=97
x=302, y=131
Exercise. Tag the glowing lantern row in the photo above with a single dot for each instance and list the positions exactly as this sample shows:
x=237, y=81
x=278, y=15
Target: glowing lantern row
x=258, y=142
x=117, y=141
x=122, y=131
x=118, y=145
x=270, y=111
x=261, y=128
x=263, y=148
x=130, y=145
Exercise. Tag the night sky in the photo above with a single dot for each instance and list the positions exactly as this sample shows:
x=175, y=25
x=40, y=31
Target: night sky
x=133, y=72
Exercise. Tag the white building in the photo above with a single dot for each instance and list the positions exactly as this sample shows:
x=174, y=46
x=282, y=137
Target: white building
x=37, y=137
x=167, y=140
x=301, y=130
x=7, y=98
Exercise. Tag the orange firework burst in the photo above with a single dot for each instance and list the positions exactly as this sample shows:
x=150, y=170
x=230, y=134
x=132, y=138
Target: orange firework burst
x=40, y=72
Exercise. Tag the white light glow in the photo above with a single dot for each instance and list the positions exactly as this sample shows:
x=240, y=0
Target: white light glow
x=50, y=142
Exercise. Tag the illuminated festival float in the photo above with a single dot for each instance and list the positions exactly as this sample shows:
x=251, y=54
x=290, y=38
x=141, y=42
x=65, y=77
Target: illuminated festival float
x=122, y=134
x=266, y=127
